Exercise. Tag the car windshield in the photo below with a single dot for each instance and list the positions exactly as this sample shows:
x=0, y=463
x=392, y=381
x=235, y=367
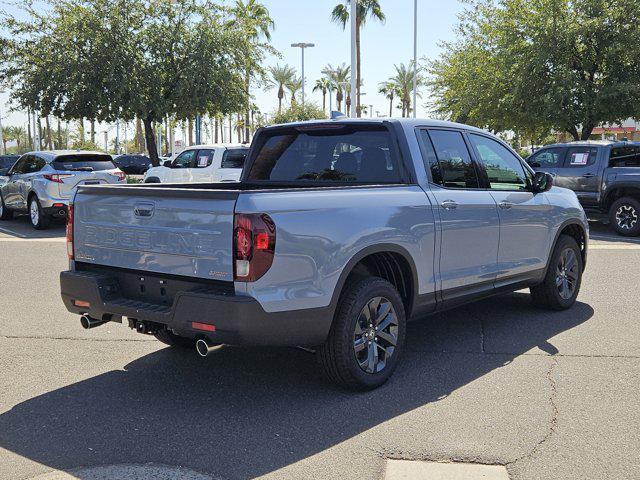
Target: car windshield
x=90, y=162
x=327, y=153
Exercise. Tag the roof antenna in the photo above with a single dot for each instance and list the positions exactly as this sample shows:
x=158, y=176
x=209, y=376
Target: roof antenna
x=336, y=115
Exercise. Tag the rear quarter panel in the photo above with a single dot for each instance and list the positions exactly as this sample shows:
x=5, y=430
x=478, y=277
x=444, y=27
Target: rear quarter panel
x=320, y=230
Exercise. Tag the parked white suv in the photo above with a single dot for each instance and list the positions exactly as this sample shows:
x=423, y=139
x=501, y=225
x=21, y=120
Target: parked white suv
x=202, y=164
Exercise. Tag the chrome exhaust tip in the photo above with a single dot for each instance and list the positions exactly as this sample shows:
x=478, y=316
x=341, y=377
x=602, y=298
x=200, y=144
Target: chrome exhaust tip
x=87, y=322
x=204, y=347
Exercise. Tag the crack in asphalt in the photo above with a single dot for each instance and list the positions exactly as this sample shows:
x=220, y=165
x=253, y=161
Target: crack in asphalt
x=555, y=412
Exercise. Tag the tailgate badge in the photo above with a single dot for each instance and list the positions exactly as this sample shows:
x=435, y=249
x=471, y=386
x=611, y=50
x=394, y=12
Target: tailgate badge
x=144, y=209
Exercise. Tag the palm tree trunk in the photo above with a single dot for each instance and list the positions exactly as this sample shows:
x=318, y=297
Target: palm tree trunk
x=93, y=131
x=190, y=128
x=324, y=101
x=139, y=141
x=215, y=128
x=49, y=141
x=230, y=128
x=59, y=135
x=247, y=113
x=239, y=128
x=358, y=79
x=391, y=105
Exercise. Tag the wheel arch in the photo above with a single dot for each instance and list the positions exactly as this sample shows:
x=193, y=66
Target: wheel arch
x=621, y=190
x=575, y=229
x=392, y=262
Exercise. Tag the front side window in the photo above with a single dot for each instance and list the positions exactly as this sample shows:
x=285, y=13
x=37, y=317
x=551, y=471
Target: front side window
x=503, y=169
x=185, y=160
x=625, y=157
x=234, y=158
x=18, y=168
x=335, y=153
x=580, y=157
x=455, y=168
x=547, y=158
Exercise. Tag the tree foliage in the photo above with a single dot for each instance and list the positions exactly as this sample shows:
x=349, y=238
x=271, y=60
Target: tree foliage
x=298, y=113
x=536, y=65
x=106, y=59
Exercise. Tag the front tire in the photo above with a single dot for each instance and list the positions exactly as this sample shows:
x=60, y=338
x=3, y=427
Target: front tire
x=624, y=215
x=39, y=219
x=152, y=180
x=5, y=213
x=562, y=281
x=367, y=336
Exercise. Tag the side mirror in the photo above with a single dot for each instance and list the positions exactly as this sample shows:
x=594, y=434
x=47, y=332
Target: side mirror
x=542, y=182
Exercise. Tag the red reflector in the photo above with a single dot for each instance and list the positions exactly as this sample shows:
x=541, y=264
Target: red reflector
x=262, y=241
x=58, y=205
x=81, y=303
x=203, y=326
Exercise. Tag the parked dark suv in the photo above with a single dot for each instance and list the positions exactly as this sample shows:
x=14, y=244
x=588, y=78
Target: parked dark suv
x=133, y=164
x=604, y=175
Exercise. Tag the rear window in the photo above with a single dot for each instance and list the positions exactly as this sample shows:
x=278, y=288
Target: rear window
x=360, y=154
x=91, y=163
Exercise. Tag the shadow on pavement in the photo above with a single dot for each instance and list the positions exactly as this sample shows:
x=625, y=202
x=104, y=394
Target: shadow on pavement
x=20, y=227
x=253, y=411
x=603, y=232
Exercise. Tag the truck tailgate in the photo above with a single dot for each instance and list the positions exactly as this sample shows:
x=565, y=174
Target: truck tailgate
x=176, y=231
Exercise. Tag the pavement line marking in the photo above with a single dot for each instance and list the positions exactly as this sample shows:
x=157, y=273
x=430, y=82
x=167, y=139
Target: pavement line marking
x=627, y=246
x=418, y=470
x=11, y=232
x=25, y=239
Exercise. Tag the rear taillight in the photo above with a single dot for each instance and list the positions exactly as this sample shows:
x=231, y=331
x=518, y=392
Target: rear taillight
x=70, y=231
x=121, y=176
x=56, y=177
x=254, y=243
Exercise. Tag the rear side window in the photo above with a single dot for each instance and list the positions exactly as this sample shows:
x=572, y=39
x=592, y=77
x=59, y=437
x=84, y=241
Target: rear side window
x=204, y=158
x=454, y=167
x=89, y=163
x=234, y=158
x=547, y=158
x=336, y=153
x=580, y=157
x=625, y=157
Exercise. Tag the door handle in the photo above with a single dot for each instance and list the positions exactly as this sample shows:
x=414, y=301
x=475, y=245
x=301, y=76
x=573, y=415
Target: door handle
x=505, y=205
x=449, y=205
x=588, y=175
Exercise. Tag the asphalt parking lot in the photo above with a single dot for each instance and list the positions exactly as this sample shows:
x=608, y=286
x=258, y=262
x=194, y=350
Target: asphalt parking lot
x=548, y=395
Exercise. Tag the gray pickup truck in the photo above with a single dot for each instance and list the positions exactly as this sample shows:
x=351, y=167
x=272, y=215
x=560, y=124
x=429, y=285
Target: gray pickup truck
x=605, y=176
x=338, y=233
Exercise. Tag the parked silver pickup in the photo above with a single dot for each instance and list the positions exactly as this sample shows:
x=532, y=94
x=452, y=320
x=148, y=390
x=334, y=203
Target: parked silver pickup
x=338, y=233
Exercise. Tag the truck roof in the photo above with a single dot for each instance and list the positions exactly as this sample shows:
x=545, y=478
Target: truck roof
x=604, y=143
x=410, y=122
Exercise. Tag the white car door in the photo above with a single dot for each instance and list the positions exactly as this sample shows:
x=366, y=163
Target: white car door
x=232, y=163
x=180, y=170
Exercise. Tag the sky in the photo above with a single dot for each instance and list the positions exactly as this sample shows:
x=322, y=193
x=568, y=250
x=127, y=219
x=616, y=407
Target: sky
x=383, y=45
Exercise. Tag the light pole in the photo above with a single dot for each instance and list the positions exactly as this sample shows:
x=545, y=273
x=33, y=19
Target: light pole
x=354, y=58
x=302, y=47
x=415, y=57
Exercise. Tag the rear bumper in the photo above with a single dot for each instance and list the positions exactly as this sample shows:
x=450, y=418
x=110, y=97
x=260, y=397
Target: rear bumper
x=238, y=320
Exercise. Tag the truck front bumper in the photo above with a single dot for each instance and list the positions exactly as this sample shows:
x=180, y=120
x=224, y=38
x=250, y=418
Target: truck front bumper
x=238, y=320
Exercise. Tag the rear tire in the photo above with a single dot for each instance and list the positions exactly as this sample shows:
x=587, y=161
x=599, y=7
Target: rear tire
x=624, y=216
x=561, y=284
x=5, y=213
x=152, y=180
x=39, y=219
x=173, y=340
x=366, y=338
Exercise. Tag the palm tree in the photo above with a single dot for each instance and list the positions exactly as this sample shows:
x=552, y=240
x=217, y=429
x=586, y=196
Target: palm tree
x=323, y=85
x=364, y=10
x=403, y=79
x=18, y=134
x=7, y=134
x=279, y=78
x=390, y=90
x=294, y=86
x=254, y=21
x=338, y=76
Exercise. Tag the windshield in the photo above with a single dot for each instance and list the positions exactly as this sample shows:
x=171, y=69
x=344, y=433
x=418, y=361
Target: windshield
x=323, y=154
x=88, y=163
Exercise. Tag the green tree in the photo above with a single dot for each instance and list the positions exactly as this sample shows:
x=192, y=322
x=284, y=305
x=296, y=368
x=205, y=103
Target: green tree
x=403, y=82
x=535, y=65
x=298, y=113
x=364, y=9
x=323, y=85
x=253, y=19
x=279, y=77
x=339, y=77
x=128, y=59
x=389, y=89
x=294, y=86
